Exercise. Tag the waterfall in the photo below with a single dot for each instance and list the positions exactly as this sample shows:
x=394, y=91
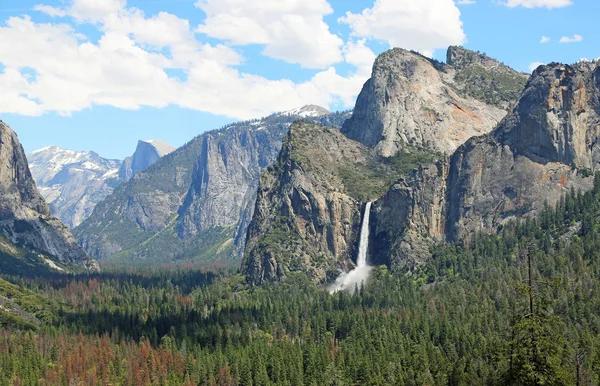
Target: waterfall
x=363, y=247
x=361, y=273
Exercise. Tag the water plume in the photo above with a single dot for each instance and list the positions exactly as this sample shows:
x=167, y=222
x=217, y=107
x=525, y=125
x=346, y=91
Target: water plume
x=356, y=277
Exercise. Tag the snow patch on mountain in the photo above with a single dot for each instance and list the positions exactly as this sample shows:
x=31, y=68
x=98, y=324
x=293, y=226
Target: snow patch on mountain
x=72, y=182
x=307, y=111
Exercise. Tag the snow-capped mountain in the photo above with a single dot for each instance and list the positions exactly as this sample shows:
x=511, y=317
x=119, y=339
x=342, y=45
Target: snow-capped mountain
x=308, y=111
x=73, y=182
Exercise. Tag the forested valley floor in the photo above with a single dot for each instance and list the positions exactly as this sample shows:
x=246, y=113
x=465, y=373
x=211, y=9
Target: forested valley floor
x=518, y=308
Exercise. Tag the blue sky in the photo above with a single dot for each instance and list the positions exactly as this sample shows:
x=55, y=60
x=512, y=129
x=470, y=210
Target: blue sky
x=101, y=74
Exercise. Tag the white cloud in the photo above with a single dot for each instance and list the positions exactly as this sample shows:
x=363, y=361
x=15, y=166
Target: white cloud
x=535, y=65
x=465, y=2
x=127, y=68
x=360, y=56
x=291, y=30
x=536, y=3
x=571, y=39
x=86, y=10
x=422, y=25
x=545, y=39
x=50, y=11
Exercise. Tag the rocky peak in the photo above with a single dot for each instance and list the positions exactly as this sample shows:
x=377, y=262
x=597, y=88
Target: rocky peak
x=25, y=219
x=413, y=101
x=46, y=163
x=17, y=185
x=146, y=154
x=544, y=148
x=558, y=116
x=309, y=204
x=304, y=216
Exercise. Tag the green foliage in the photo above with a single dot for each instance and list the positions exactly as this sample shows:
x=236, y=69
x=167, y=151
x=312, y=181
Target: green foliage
x=21, y=307
x=463, y=319
x=499, y=87
x=406, y=161
x=166, y=246
x=363, y=182
x=368, y=182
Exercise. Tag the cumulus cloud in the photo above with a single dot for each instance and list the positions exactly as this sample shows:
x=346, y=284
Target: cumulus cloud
x=360, y=56
x=536, y=3
x=85, y=10
x=545, y=39
x=535, y=65
x=465, y=2
x=50, y=67
x=290, y=30
x=571, y=39
x=421, y=25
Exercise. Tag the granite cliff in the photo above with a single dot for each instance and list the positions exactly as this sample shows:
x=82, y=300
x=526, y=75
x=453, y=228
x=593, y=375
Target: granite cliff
x=30, y=236
x=415, y=101
x=544, y=148
x=411, y=111
x=146, y=154
x=196, y=202
x=310, y=202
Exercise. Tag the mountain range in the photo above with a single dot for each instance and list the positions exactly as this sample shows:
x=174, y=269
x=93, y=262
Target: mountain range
x=196, y=202
x=412, y=111
x=73, y=182
x=545, y=147
x=442, y=150
x=445, y=231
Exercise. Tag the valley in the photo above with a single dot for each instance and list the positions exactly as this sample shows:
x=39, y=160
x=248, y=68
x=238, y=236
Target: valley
x=443, y=232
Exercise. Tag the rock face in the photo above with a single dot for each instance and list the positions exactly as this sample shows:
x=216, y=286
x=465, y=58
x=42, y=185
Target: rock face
x=146, y=154
x=25, y=219
x=304, y=220
x=307, y=219
x=308, y=209
x=196, y=202
x=72, y=182
x=544, y=148
x=414, y=101
x=225, y=180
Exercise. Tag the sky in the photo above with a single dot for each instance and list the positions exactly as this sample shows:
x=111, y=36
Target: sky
x=101, y=74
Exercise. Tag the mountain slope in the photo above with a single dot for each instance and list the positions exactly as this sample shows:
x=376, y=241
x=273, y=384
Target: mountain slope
x=412, y=109
x=194, y=203
x=72, y=182
x=546, y=147
x=25, y=220
x=412, y=100
x=309, y=204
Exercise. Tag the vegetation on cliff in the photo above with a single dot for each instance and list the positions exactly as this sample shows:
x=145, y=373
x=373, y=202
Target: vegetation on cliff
x=519, y=307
